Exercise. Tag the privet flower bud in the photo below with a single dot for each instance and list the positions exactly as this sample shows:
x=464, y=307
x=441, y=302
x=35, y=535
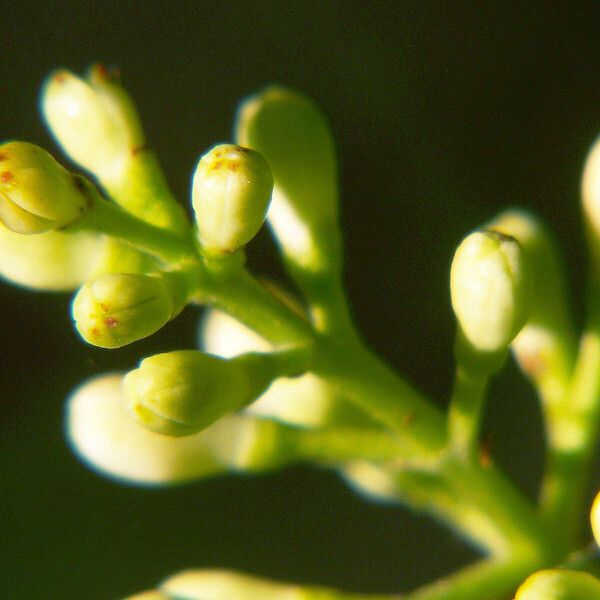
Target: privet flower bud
x=36, y=193
x=559, y=584
x=590, y=193
x=118, y=309
x=595, y=518
x=180, y=393
x=231, y=192
x=293, y=135
x=93, y=119
x=490, y=290
x=104, y=436
x=218, y=584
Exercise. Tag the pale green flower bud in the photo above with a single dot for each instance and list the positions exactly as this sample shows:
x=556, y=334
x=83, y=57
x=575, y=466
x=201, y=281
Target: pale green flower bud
x=103, y=434
x=371, y=481
x=490, y=289
x=121, y=308
x=218, y=584
x=595, y=518
x=93, y=119
x=180, y=393
x=590, y=193
x=36, y=193
x=559, y=584
x=231, y=192
x=294, y=137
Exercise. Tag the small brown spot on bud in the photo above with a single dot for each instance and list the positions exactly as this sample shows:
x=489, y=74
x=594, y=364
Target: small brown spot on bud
x=138, y=149
x=111, y=322
x=485, y=451
x=408, y=419
x=3, y=156
x=60, y=78
x=6, y=177
x=233, y=166
x=94, y=331
x=104, y=306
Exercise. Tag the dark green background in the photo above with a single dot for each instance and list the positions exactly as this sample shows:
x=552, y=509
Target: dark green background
x=444, y=114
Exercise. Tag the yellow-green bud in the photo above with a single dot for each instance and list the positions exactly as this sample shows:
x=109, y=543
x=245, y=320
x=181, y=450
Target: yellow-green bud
x=590, y=193
x=490, y=290
x=93, y=119
x=118, y=309
x=294, y=136
x=595, y=518
x=559, y=584
x=103, y=434
x=217, y=584
x=180, y=393
x=36, y=193
x=231, y=192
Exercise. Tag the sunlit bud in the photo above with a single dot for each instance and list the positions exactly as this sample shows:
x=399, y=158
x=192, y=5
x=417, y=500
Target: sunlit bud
x=118, y=309
x=294, y=137
x=36, y=193
x=92, y=118
x=559, y=584
x=180, y=393
x=371, y=481
x=107, y=439
x=304, y=400
x=595, y=518
x=231, y=191
x=490, y=289
x=590, y=193
x=209, y=584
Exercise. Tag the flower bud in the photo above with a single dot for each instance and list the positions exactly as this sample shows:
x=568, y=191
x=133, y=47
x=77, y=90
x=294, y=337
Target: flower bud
x=595, y=518
x=93, y=119
x=218, y=584
x=590, y=193
x=490, y=290
x=103, y=435
x=36, y=193
x=121, y=308
x=559, y=584
x=231, y=191
x=180, y=393
x=294, y=137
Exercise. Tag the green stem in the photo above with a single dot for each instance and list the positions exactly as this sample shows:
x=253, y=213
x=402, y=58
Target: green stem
x=109, y=219
x=573, y=440
x=464, y=417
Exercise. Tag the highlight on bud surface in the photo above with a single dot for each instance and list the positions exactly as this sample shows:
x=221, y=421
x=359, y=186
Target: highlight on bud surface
x=36, y=193
x=590, y=193
x=103, y=434
x=293, y=135
x=121, y=308
x=92, y=118
x=180, y=393
x=559, y=584
x=490, y=289
x=231, y=191
x=595, y=518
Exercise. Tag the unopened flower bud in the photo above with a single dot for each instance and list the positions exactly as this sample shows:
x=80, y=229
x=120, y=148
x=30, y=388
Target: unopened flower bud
x=104, y=436
x=490, y=290
x=595, y=518
x=36, y=193
x=231, y=192
x=92, y=118
x=559, y=584
x=590, y=192
x=180, y=393
x=218, y=584
x=118, y=309
x=293, y=135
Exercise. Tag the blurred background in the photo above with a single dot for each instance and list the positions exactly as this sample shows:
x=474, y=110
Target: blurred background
x=444, y=114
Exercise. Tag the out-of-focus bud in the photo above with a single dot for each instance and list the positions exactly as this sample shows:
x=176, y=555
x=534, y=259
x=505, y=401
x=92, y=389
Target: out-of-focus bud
x=490, y=289
x=304, y=400
x=180, y=393
x=121, y=308
x=559, y=584
x=150, y=595
x=371, y=481
x=294, y=137
x=36, y=193
x=244, y=442
x=92, y=118
x=231, y=191
x=590, y=193
x=595, y=518
x=209, y=584
x=103, y=434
